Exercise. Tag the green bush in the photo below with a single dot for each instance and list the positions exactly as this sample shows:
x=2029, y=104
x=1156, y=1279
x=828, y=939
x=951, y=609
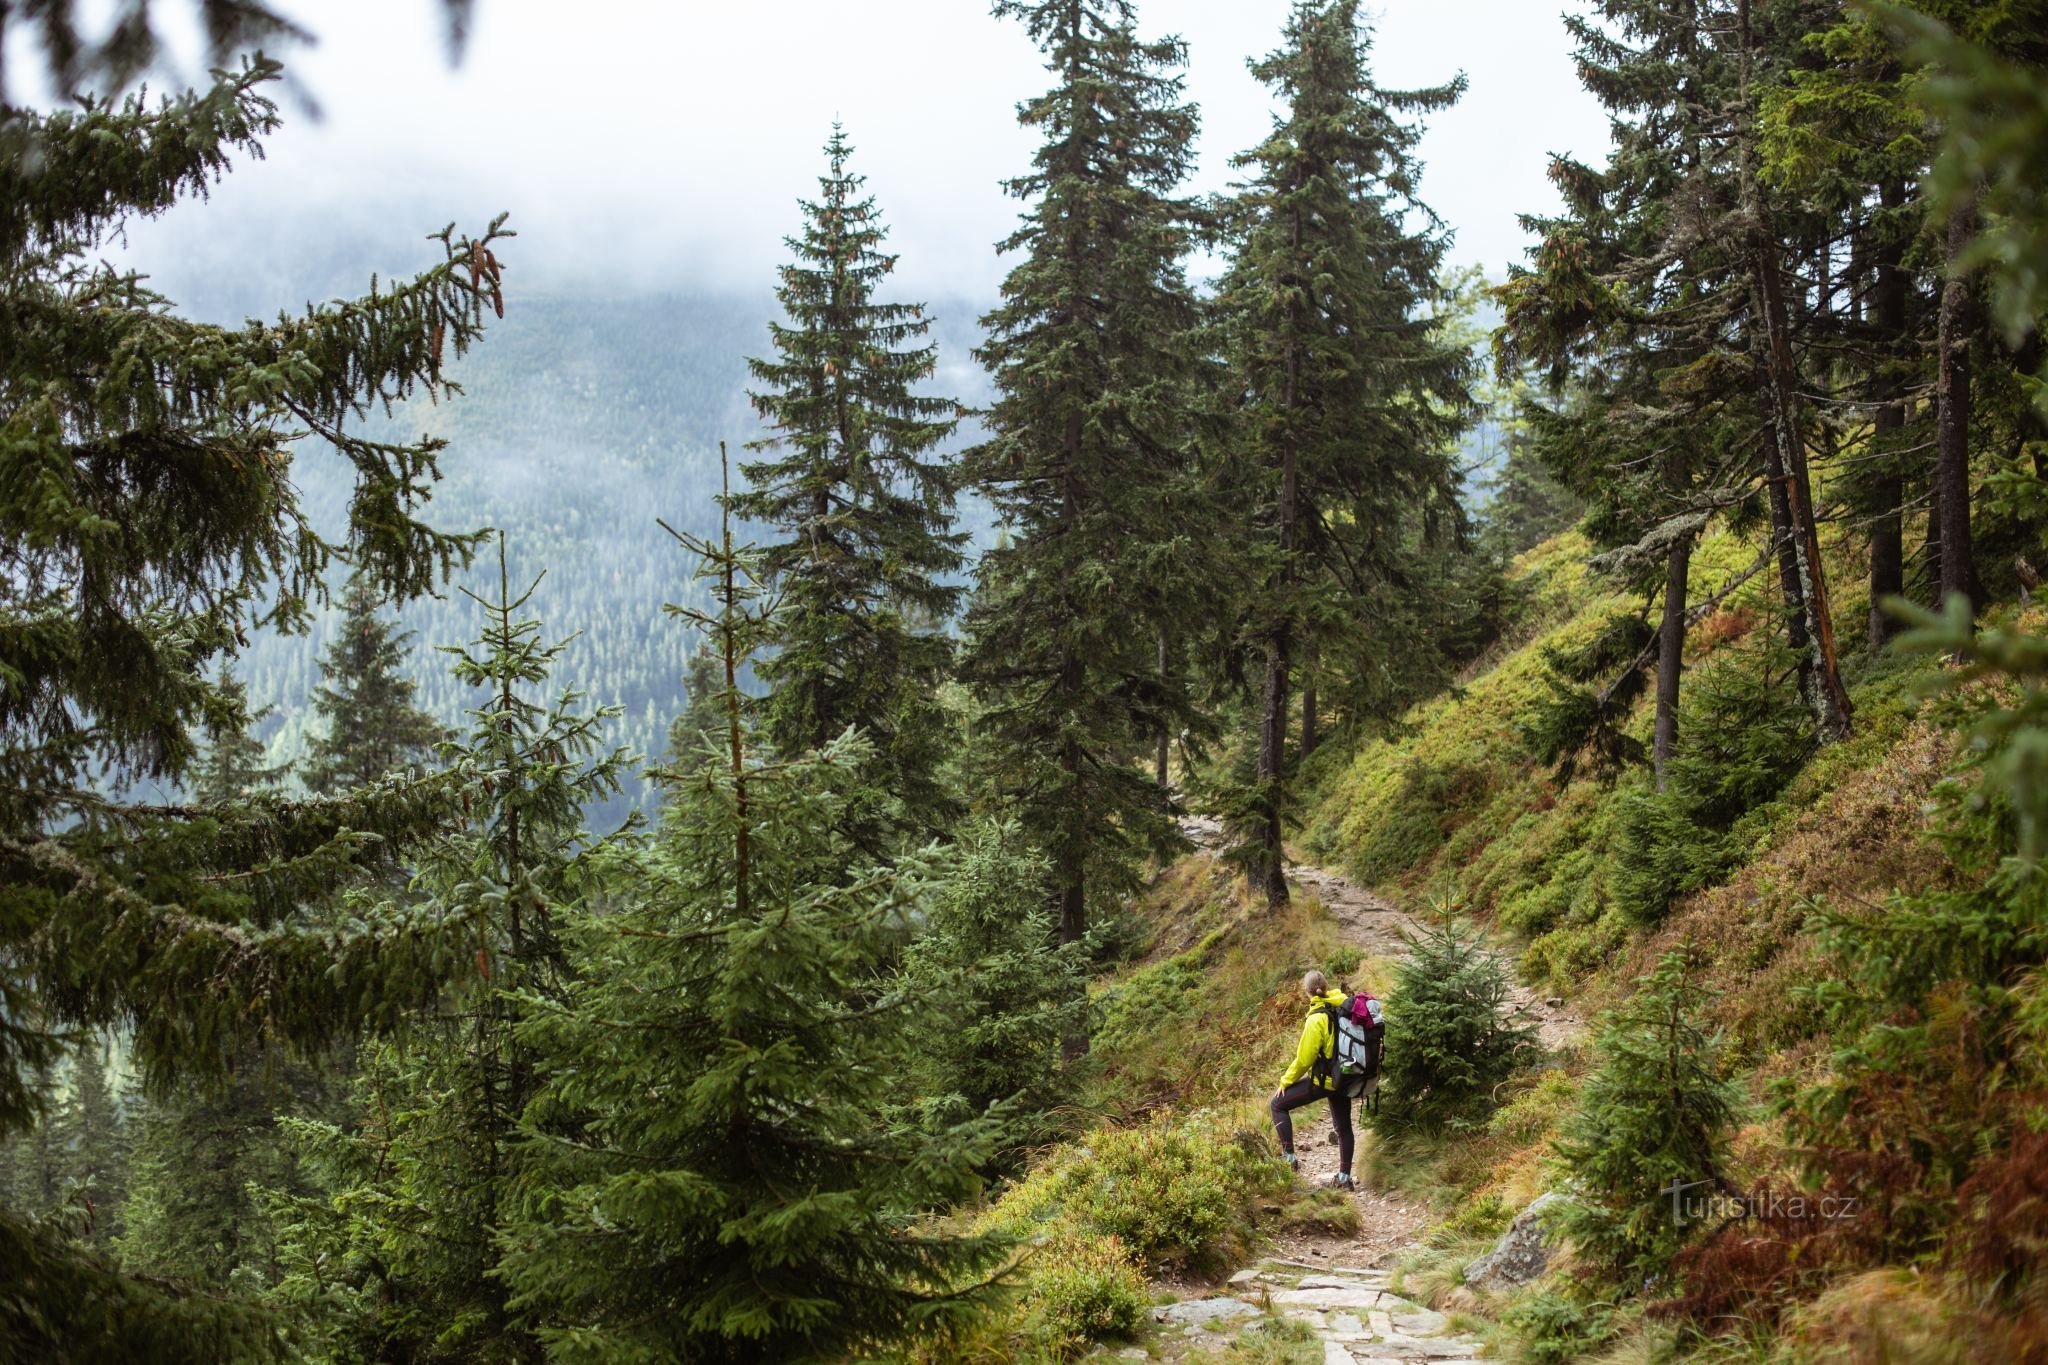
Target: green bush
x=1662, y=853
x=1481, y=1216
x=1083, y=1287
x=1743, y=735
x=1552, y=1329
x=1451, y=1039
x=1173, y=1193
x=1653, y=1116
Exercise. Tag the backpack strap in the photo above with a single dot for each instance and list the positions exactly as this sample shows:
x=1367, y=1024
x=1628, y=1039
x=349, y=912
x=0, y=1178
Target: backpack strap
x=1324, y=1071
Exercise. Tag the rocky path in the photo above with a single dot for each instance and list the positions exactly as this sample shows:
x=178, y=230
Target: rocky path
x=1337, y=1289
x=1349, y=1314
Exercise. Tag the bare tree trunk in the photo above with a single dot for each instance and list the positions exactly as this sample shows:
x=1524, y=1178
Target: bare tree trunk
x=1269, y=868
x=1887, y=529
x=1785, y=456
x=1309, y=733
x=1165, y=740
x=1952, y=414
x=1671, y=654
x=1269, y=871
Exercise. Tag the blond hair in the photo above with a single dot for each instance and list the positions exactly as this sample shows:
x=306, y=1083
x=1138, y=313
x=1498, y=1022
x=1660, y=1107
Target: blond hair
x=1314, y=982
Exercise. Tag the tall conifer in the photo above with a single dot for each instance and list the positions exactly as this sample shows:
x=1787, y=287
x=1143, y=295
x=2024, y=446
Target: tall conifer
x=711, y=1171
x=1352, y=394
x=427, y=1173
x=370, y=727
x=1087, y=458
x=860, y=500
x=150, y=521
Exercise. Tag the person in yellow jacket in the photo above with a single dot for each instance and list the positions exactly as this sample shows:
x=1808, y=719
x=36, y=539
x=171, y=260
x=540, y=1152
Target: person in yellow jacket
x=1304, y=1082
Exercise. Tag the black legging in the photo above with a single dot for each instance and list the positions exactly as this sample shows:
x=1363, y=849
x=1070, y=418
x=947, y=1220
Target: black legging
x=1306, y=1091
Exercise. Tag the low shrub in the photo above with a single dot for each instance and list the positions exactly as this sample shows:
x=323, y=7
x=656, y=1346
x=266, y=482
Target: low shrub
x=1482, y=1216
x=1174, y=1193
x=1082, y=1288
x=1433, y=800
x=1553, y=1328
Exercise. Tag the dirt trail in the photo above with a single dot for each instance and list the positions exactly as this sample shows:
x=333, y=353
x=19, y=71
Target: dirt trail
x=1390, y=1225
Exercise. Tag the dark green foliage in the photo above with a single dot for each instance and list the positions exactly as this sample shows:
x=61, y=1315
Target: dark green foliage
x=152, y=521
x=1434, y=799
x=130, y=47
x=1352, y=396
x=1579, y=723
x=72, y=1169
x=190, y=1215
x=428, y=1192
x=1004, y=995
x=370, y=727
x=1452, y=1033
x=861, y=503
x=1088, y=457
x=1644, y=1151
x=703, y=716
x=231, y=766
x=1986, y=90
x=1744, y=735
x=1555, y=1327
x=709, y=1172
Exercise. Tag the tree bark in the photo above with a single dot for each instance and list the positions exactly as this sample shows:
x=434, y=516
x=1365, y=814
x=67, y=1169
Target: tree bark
x=1671, y=655
x=1785, y=452
x=1162, y=752
x=1952, y=414
x=1887, y=529
x=1269, y=869
x=1309, y=734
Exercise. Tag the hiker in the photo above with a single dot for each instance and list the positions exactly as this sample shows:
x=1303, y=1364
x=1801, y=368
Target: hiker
x=1305, y=1081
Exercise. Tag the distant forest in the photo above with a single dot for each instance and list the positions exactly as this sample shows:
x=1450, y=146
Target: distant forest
x=583, y=421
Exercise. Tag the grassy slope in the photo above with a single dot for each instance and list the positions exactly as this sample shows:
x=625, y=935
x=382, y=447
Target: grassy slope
x=1452, y=807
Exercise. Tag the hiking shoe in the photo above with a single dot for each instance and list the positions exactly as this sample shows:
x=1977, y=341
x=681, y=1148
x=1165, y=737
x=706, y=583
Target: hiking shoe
x=1293, y=1163
x=1343, y=1181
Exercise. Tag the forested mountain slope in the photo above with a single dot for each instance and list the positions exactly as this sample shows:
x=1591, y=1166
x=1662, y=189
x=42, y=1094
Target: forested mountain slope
x=585, y=420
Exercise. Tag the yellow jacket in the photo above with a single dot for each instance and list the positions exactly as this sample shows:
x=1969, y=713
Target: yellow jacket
x=1315, y=1040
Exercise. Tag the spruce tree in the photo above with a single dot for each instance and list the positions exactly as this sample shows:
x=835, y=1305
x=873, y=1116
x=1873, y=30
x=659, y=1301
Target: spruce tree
x=429, y=1183
x=1648, y=1141
x=199, y=1148
x=231, y=765
x=371, y=728
x=710, y=1173
x=151, y=524
x=703, y=714
x=1087, y=461
x=1352, y=395
x=860, y=501
x=1011, y=995
x=1658, y=306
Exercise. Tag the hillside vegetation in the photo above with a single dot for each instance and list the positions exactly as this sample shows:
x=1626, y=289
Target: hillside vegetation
x=832, y=872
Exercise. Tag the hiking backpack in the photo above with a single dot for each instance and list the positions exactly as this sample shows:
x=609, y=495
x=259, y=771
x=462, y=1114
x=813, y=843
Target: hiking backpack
x=1358, y=1031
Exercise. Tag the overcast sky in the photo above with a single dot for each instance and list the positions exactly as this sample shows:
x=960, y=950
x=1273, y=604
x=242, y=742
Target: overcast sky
x=650, y=145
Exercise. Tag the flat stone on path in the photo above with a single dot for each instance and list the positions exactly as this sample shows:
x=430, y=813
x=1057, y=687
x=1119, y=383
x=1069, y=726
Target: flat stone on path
x=1201, y=1312
x=1418, y=1322
x=1357, y=1298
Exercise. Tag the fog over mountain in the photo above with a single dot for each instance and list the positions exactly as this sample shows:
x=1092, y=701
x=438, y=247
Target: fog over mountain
x=650, y=157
